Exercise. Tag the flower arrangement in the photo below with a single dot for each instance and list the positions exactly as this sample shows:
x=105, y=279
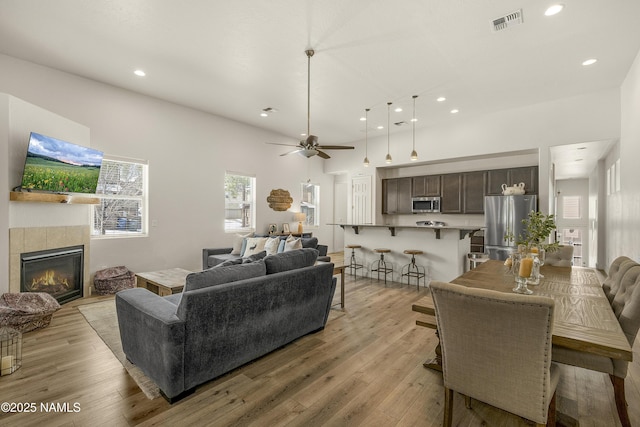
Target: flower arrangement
x=538, y=227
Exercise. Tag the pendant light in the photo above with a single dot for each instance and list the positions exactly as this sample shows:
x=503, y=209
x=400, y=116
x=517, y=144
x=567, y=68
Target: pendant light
x=387, y=159
x=366, y=138
x=414, y=153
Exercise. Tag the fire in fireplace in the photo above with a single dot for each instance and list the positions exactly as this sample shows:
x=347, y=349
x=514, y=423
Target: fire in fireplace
x=58, y=272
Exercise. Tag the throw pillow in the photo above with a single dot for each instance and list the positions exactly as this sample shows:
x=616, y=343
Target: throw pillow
x=253, y=258
x=220, y=275
x=238, y=239
x=271, y=246
x=228, y=262
x=292, y=243
x=281, y=245
x=291, y=260
x=254, y=245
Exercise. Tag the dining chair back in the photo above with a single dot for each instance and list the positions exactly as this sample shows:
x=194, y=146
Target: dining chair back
x=614, y=275
x=562, y=257
x=496, y=348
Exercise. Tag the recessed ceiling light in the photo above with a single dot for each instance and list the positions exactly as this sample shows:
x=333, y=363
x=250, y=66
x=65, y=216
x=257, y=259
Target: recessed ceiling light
x=263, y=114
x=553, y=10
x=589, y=62
x=398, y=109
x=139, y=73
x=303, y=134
x=414, y=120
x=380, y=127
x=441, y=99
x=363, y=119
x=454, y=111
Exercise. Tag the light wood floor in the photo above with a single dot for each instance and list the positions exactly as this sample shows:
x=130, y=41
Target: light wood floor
x=363, y=369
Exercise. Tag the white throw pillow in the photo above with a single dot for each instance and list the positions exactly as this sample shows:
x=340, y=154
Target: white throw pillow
x=292, y=243
x=271, y=246
x=254, y=245
x=237, y=243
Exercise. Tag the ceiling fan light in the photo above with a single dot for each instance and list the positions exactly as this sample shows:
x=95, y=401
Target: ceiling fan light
x=414, y=155
x=387, y=159
x=366, y=162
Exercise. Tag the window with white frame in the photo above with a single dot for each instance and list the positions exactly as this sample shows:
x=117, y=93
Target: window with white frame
x=310, y=204
x=571, y=207
x=122, y=189
x=239, y=202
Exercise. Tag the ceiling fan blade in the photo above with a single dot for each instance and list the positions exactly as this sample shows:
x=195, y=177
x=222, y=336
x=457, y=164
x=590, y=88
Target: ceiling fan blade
x=323, y=154
x=335, y=147
x=291, y=152
x=278, y=143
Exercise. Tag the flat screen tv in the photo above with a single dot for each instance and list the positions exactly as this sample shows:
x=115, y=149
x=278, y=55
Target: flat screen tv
x=60, y=167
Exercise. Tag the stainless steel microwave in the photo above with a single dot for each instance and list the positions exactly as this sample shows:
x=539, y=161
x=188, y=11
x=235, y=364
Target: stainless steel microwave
x=425, y=204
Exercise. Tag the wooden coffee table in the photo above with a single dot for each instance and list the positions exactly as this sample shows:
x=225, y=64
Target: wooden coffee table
x=163, y=282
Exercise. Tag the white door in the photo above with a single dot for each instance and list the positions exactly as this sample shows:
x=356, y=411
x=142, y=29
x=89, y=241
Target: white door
x=361, y=200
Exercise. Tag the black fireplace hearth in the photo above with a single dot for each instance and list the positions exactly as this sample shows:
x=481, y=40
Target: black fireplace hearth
x=58, y=272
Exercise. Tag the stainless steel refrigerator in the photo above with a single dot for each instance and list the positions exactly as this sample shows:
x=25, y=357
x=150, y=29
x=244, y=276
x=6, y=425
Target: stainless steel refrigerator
x=504, y=214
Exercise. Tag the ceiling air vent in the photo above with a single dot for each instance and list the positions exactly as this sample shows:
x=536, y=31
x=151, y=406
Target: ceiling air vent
x=509, y=20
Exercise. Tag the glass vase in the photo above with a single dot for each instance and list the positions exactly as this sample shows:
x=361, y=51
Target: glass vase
x=523, y=273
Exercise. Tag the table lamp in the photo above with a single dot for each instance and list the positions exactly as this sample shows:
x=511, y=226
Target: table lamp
x=300, y=217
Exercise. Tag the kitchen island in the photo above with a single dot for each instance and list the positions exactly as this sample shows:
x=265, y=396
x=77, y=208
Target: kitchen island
x=445, y=247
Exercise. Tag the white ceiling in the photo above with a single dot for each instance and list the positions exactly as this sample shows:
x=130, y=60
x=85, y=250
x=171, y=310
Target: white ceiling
x=234, y=58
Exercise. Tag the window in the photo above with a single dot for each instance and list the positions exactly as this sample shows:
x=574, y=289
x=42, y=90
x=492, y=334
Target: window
x=571, y=207
x=239, y=202
x=122, y=189
x=310, y=204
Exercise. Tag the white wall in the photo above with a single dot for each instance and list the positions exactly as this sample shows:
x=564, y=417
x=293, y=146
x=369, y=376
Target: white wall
x=623, y=208
x=4, y=199
x=188, y=153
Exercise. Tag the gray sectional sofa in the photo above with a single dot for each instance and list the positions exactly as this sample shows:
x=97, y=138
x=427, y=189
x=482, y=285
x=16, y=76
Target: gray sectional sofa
x=214, y=256
x=225, y=317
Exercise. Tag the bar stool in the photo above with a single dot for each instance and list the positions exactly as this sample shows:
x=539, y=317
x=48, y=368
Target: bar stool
x=412, y=270
x=354, y=265
x=381, y=266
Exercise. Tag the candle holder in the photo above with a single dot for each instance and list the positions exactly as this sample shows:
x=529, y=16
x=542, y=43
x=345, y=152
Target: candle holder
x=10, y=351
x=534, y=277
x=523, y=273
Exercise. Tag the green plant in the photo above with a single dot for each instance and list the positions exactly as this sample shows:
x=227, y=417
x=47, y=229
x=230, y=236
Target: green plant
x=538, y=227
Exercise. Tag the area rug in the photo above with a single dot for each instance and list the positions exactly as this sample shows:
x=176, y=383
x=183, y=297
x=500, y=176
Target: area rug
x=103, y=319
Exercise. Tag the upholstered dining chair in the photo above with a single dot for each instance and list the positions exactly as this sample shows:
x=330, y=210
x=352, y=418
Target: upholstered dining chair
x=626, y=306
x=496, y=348
x=562, y=257
x=617, y=269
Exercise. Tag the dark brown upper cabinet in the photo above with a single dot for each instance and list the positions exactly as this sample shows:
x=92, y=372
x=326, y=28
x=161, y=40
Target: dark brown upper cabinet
x=396, y=196
x=473, y=189
x=451, y=193
x=426, y=186
x=512, y=176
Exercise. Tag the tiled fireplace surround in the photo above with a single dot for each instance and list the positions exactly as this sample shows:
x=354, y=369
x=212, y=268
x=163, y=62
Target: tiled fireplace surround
x=33, y=239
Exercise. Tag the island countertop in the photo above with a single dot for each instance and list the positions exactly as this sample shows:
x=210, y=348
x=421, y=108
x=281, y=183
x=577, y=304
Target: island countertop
x=464, y=229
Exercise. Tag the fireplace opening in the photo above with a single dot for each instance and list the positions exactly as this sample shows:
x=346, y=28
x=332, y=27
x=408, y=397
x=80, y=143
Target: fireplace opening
x=58, y=272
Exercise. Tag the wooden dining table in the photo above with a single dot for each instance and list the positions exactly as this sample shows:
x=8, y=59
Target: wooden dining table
x=583, y=318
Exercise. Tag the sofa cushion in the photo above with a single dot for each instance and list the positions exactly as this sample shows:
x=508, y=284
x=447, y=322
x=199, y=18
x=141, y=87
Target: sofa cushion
x=219, y=275
x=255, y=257
x=290, y=260
x=231, y=261
x=310, y=242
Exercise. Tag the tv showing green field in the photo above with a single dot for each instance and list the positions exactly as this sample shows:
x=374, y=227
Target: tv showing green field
x=59, y=166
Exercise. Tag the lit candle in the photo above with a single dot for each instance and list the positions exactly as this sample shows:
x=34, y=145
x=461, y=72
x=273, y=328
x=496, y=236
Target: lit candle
x=7, y=365
x=526, y=264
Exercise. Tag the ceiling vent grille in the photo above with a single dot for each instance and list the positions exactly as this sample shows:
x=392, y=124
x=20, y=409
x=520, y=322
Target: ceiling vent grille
x=509, y=20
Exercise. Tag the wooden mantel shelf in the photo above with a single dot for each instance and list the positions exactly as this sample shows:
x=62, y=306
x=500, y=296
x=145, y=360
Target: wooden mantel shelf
x=24, y=196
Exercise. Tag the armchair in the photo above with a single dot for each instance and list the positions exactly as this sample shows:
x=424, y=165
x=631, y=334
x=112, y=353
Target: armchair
x=496, y=347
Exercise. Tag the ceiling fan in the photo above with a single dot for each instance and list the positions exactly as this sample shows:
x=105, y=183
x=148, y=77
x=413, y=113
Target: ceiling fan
x=310, y=147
